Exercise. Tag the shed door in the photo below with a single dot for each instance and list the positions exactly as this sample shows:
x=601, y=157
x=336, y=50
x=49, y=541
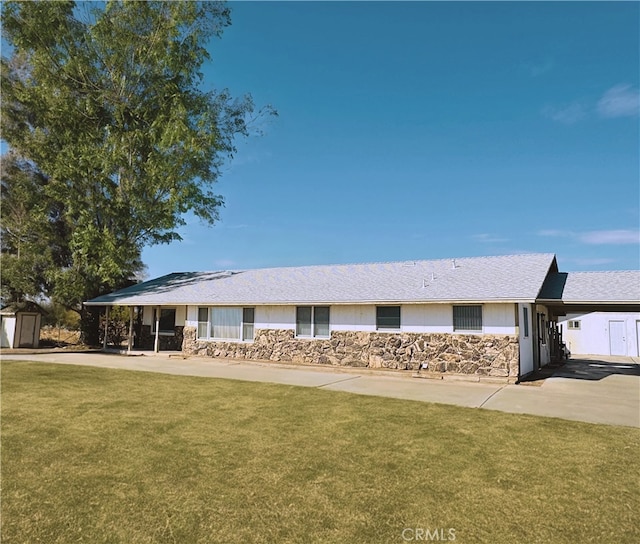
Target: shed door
x=617, y=340
x=27, y=331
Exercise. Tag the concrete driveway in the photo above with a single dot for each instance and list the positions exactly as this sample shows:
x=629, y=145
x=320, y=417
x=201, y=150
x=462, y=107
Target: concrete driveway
x=595, y=390
x=586, y=388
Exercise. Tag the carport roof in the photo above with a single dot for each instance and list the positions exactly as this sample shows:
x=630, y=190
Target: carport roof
x=614, y=286
x=592, y=291
x=510, y=278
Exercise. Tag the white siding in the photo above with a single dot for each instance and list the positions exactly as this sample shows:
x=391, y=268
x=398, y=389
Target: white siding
x=276, y=317
x=593, y=336
x=354, y=318
x=498, y=319
x=191, y=316
x=181, y=315
x=147, y=315
x=433, y=318
x=526, y=342
x=420, y=318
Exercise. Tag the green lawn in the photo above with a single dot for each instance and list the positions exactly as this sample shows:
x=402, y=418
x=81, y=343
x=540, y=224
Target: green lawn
x=95, y=455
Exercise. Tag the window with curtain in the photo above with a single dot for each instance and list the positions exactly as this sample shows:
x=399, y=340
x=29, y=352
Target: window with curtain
x=226, y=323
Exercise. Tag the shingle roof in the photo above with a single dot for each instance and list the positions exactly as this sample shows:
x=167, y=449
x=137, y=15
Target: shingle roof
x=477, y=279
x=615, y=286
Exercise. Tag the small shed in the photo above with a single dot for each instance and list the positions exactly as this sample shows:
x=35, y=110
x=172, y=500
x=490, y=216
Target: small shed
x=20, y=325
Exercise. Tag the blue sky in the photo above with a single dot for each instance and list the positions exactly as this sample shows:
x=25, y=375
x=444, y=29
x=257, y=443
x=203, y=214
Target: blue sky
x=426, y=130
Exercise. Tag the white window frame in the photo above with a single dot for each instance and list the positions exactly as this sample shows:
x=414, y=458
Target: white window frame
x=314, y=334
x=241, y=332
x=574, y=325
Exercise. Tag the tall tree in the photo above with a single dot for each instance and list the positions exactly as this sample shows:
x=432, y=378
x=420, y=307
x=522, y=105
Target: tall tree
x=107, y=101
x=34, y=234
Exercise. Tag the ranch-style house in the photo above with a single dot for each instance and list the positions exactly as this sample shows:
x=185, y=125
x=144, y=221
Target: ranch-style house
x=484, y=316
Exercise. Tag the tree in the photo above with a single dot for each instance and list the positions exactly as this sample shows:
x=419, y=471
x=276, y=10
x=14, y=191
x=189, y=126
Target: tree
x=106, y=101
x=34, y=234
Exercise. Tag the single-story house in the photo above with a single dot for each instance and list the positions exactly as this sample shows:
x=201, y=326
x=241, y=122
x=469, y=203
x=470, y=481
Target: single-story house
x=486, y=316
x=20, y=325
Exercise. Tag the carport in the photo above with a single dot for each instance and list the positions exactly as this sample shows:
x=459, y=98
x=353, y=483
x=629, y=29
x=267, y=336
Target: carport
x=608, y=304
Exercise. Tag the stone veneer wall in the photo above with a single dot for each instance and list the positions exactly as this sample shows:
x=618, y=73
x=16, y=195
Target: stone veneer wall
x=489, y=355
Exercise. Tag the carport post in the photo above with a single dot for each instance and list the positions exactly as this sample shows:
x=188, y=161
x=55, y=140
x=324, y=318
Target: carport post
x=156, y=344
x=106, y=327
x=130, y=342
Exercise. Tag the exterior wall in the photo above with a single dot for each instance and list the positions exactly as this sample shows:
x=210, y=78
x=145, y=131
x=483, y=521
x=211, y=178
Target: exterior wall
x=426, y=341
x=593, y=336
x=527, y=364
x=481, y=355
x=8, y=331
x=418, y=318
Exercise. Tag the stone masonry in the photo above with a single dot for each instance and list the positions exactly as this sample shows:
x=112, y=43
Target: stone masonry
x=482, y=355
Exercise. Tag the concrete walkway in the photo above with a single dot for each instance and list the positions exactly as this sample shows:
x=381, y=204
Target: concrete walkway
x=590, y=389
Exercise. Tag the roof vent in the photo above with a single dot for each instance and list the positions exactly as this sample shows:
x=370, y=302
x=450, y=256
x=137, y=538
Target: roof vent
x=453, y=264
x=425, y=283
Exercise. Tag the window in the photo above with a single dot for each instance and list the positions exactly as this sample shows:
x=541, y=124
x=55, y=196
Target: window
x=312, y=321
x=525, y=321
x=467, y=318
x=226, y=323
x=167, y=321
x=575, y=325
x=387, y=317
x=248, y=317
x=203, y=322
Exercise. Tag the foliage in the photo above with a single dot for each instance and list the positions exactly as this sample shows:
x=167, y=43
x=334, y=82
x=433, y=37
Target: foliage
x=118, y=329
x=56, y=315
x=104, y=105
x=33, y=228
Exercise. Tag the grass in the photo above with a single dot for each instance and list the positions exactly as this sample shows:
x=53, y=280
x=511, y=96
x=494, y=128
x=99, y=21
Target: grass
x=101, y=456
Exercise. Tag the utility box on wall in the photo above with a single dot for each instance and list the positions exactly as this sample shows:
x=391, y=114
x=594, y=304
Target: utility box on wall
x=20, y=325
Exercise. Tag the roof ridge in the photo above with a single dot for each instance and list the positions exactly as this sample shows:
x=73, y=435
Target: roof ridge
x=401, y=261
